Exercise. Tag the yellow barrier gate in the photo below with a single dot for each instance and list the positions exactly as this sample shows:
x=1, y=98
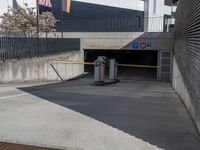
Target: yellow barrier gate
x=91, y=63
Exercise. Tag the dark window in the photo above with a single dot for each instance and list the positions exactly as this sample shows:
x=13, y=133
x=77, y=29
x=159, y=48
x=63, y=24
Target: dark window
x=173, y=14
x=138, y=21
x=168, y=2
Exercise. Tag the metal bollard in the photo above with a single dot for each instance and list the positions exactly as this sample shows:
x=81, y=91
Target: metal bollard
x=103, y=59
x=99, y=70
x=113, y=68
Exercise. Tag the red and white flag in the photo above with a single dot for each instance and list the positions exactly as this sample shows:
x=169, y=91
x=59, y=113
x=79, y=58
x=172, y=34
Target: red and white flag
x=46, y=3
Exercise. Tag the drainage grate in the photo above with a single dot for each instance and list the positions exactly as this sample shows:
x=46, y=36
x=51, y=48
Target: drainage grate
x=11, y=146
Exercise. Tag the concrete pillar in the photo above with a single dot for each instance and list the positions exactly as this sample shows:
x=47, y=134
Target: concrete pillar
x=112, y=69
x=146, y=15
x=154, y=11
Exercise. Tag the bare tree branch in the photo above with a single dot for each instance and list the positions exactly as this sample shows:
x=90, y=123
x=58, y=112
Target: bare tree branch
x=23, y=20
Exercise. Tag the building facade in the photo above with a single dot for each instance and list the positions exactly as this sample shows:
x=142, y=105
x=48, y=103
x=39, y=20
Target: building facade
x=108, y=15
x=96, y=17
x=186, y=72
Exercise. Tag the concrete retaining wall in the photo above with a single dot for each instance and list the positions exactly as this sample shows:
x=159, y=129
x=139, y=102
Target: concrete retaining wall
x=120, y=40
x=182, y=91
x=39, y=69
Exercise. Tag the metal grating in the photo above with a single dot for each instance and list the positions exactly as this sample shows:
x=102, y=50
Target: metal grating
x=17, y=48
x=187, y=47
x=164, y=63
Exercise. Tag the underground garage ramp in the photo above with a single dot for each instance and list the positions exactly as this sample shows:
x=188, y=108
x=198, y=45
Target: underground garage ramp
x=141, y=64
x=136, y=64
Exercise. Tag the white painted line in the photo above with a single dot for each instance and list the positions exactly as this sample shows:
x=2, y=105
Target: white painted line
x=98, y=93
x=13, y=96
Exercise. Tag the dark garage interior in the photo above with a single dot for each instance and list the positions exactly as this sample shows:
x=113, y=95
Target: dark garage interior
x=134, y=57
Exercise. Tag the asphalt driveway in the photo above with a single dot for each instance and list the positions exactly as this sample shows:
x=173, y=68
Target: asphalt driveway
x=149, y=111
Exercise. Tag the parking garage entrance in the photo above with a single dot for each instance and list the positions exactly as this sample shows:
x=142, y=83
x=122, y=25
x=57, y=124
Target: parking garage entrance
x=135, y=64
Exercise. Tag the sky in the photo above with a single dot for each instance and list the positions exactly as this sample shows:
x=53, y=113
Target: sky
x=5, y=3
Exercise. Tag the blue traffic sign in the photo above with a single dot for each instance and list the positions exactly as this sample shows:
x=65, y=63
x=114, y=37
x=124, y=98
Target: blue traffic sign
x=135, y=45
x=149, y=45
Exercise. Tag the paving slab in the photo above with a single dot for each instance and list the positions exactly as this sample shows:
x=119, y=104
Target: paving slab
x=13, y=146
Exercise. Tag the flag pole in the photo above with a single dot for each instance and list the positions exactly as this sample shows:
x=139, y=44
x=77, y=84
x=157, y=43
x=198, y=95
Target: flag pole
x=62, y=18
x=37, y=24
x=37, y=9
x=62, y=25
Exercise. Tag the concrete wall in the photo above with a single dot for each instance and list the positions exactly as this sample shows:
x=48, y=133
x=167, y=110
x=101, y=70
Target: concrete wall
x=187, y=55
x=154, y=12
x=157, y=8
x=39, y=69
x=181, y=89
x=120, y=40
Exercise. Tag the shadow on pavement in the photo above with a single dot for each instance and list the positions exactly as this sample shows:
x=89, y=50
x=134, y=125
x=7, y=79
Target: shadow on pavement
x=148, y=110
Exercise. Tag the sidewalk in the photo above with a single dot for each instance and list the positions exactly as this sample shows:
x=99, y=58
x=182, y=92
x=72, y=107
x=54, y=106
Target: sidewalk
x=11, y=146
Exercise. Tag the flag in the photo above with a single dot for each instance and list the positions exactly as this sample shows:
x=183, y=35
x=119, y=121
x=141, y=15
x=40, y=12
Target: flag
x=44, y=6
x=66, y=5
x=46, y=3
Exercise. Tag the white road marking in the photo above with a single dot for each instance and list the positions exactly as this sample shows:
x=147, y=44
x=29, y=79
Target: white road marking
x=13, y=96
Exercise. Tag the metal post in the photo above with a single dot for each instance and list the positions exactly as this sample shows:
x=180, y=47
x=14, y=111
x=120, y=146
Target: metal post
x=37, y=18
x=62, y=19
x=99, y=70
x=46, y=26
x=112, y=69
x=37, y=13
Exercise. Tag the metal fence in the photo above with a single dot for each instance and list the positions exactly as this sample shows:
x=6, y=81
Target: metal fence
x=17, y=48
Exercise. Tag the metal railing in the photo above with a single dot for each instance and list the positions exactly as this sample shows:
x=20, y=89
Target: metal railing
x=127, y=23
x=158, y=24
x=18, y=48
